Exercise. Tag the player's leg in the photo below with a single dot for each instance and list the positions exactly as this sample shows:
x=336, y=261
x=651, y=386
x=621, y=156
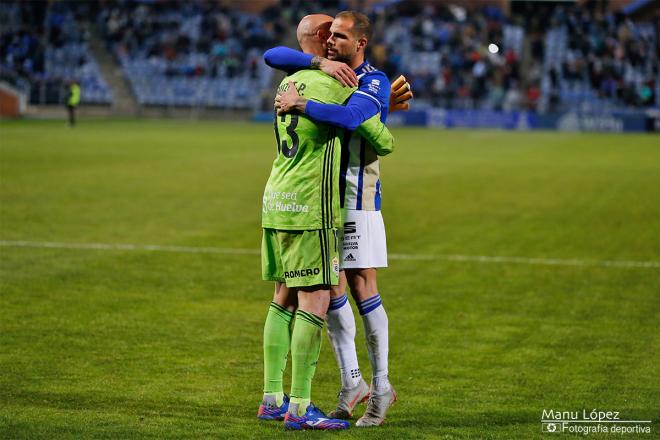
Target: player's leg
x=311, y=265
x=364, y=250
x=72, y=120
x=305, y=349
x=364, y=290
x=277, y=330
x=277, y=338
x=370, y=252
x=341, y=330
x=306, y=341
x=341, y=321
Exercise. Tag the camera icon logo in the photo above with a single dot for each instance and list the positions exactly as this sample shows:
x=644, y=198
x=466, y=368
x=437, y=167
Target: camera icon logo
x=551, y=427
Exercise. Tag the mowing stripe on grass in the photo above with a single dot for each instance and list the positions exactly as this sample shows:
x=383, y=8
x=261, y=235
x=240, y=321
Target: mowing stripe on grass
x=129, y=247
x=527, y=260
x=420, y=257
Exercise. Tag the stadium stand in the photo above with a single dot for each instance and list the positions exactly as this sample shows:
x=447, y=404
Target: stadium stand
x=190, y=53
x=599, y=61
x=40, y=52
x=541, y=57
x=445, y=54
x=587, y=56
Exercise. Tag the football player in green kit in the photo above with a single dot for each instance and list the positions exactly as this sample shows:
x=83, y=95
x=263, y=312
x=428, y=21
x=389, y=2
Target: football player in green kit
x=300, y=218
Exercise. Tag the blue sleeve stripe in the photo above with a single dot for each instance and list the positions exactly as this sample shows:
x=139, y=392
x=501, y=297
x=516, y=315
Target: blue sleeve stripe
x=360, y=175
x=377, y=196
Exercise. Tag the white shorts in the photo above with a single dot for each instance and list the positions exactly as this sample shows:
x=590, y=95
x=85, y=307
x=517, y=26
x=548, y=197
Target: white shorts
x=362, y=243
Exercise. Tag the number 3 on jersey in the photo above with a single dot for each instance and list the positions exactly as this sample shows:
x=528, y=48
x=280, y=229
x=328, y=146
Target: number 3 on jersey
x=283, y=145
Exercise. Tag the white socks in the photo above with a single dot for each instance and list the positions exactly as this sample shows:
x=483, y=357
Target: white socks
x=341, y=329
x=376, y=334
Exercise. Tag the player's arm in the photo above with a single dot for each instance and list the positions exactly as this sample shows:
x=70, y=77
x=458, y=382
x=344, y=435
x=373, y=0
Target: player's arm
x=357, y=110
x=362, y=105
x=377, y=134
x=288, y=60
x=291, y=60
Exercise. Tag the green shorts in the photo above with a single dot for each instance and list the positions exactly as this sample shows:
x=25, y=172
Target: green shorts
x=300, y=258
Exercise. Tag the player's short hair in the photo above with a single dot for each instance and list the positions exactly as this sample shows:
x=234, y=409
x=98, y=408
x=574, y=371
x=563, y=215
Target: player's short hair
x=361, y=23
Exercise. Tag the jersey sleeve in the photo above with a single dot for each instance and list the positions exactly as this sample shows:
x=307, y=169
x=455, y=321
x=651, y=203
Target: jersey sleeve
x=287, y=59
x=371, y=97
x=377, y=134
x=376, y=85
x=349, y=116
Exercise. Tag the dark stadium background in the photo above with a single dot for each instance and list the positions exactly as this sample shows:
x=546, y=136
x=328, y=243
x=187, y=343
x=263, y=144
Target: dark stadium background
x=595, y=61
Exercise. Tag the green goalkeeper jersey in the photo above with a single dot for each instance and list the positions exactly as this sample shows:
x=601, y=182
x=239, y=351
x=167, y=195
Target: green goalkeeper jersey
x=302, y=192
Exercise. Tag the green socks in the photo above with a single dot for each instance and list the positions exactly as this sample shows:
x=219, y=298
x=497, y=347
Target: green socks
x=305, y=350
x=277, y=335
x=305, y=343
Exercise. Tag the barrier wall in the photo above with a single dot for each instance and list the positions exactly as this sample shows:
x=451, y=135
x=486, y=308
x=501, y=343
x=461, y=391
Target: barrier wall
x=612, y=122
x=12, y=102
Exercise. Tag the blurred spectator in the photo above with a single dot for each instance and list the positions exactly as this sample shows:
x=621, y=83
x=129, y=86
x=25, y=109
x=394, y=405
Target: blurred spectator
x=513, y=99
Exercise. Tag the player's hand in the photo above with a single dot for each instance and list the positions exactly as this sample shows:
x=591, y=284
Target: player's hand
x=289, y=100
x=340, y=71
x=400, y=94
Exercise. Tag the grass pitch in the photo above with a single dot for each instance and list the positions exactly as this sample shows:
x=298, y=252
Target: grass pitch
x=98, y=343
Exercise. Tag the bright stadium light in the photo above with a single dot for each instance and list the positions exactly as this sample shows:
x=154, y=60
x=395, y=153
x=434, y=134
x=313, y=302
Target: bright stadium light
x=492, y=48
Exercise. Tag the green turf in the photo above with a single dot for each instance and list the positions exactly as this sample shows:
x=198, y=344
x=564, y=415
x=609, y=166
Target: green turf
x=150, y=344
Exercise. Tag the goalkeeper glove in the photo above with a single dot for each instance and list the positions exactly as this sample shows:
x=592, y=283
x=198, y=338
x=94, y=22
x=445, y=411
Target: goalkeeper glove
x=400, y=94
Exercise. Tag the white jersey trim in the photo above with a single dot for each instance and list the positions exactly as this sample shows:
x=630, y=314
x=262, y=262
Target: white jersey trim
x=366, y=94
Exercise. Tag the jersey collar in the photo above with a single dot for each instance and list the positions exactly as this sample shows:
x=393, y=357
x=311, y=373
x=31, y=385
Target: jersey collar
x=363, y=68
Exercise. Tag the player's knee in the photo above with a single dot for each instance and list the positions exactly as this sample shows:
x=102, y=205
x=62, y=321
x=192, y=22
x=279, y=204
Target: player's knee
x=314, y=299
x=285, y=296
x=362, y=283
x=337, y=291
x=363, y=291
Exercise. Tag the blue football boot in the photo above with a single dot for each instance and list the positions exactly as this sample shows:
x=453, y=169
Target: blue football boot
x=313, y=418
x=268, y=410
